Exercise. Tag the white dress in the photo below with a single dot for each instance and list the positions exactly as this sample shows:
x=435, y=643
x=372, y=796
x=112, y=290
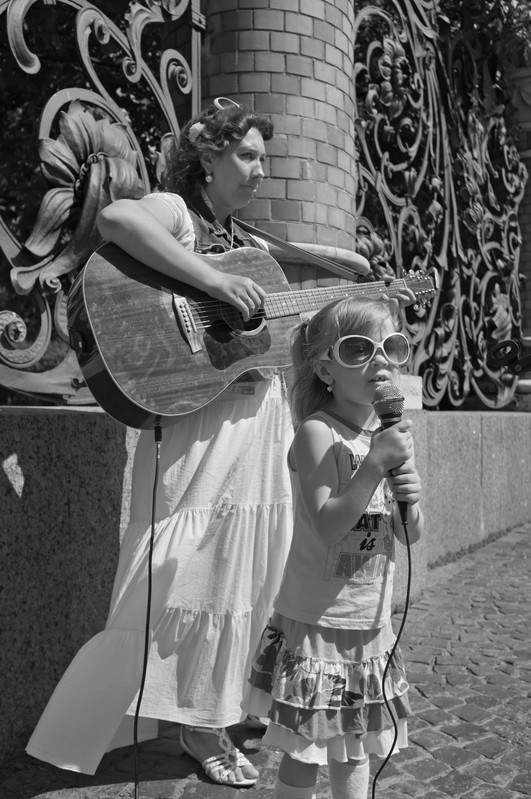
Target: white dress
x=222, y=534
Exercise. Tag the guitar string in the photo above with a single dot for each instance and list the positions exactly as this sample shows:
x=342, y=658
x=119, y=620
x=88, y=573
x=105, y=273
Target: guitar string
x=205, y=316
x=205, y=320
x=278, y=302
x=283, y=299
x=293, y=297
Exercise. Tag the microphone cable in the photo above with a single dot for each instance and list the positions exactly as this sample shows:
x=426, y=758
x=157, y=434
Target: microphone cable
x=391, y=655
x=158, y=440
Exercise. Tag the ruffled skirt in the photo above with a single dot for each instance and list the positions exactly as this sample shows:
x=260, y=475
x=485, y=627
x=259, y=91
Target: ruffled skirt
x=321, y=688
x=222, y=532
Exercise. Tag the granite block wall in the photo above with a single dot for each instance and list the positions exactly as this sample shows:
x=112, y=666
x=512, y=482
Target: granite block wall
x=63, y=505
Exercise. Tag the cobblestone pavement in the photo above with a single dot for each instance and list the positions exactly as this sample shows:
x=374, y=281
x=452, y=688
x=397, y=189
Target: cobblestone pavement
x=467, y=647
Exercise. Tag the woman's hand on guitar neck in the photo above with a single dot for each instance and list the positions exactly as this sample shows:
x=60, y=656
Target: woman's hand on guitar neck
x=403, y=298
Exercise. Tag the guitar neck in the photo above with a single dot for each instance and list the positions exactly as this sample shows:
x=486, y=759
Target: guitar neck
x=291, y=303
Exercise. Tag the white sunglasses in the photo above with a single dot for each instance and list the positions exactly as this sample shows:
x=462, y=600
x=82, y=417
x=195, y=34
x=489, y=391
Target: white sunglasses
x=355, y=351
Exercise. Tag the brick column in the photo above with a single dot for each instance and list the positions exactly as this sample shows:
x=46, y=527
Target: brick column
x=293, y=59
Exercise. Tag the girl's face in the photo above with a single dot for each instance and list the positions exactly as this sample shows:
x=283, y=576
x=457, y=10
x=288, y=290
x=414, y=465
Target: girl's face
x=353, y=390
x=237, y=173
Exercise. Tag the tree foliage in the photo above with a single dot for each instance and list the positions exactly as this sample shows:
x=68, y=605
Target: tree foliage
x=502, y=26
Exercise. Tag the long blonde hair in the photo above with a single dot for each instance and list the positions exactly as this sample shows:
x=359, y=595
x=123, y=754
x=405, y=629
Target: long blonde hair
x=351, y=315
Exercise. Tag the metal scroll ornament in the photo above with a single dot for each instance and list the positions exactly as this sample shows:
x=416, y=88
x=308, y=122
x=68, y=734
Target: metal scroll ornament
x=439, y=185
x=89, y=156
x=439, y=182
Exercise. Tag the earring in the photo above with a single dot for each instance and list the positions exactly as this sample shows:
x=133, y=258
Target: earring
x=329, y=389
x=209, y=179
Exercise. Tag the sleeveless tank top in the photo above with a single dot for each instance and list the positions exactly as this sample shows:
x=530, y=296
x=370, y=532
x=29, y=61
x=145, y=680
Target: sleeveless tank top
x=348, y=584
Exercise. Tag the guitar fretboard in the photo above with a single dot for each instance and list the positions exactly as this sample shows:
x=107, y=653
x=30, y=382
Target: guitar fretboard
x=290, y=303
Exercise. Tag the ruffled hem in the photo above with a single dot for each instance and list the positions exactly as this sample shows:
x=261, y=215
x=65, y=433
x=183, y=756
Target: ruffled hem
x=318, y=684
x=340, y=747
x=208, y=608
x=320, y=699
x=198, y=663
x=321, y=725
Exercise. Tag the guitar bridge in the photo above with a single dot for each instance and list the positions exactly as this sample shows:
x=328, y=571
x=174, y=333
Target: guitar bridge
x=187, y=324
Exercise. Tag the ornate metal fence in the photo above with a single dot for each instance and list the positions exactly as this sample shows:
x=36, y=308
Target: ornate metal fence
x=439, y=180
x=95, y=145
x=439, y=184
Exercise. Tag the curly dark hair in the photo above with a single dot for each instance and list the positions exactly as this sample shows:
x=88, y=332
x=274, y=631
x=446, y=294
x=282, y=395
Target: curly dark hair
x=214, y=128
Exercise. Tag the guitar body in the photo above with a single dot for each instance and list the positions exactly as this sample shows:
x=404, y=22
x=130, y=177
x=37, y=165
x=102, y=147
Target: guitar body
x=142, y=357
x=150, y=346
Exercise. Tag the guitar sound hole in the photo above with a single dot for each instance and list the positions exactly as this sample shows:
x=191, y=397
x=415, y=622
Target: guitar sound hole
x=226, y=347
x=235, y=322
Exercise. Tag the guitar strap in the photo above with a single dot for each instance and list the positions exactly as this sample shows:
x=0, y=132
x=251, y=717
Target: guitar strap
x=359, y=267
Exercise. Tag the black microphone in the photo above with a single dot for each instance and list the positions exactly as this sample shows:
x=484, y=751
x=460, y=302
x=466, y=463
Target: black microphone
x=388, y=405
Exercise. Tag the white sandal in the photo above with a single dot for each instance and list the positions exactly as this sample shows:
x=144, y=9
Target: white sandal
x=219, y=767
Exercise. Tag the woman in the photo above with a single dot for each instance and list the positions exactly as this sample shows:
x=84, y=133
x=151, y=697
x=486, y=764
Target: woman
x=223, y=504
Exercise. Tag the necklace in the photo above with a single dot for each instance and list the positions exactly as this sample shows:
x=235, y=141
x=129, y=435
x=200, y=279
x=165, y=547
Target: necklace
x=216, y=225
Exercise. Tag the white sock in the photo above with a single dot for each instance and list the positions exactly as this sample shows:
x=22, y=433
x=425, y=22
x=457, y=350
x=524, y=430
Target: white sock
x=348, y=781
x=283, y=791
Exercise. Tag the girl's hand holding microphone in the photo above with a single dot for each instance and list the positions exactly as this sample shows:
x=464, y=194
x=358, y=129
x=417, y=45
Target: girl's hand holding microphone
x=393, y=450
x=392, y=447
x=404, y=482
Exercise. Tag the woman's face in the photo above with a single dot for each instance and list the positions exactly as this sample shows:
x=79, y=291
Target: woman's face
x=237, y=173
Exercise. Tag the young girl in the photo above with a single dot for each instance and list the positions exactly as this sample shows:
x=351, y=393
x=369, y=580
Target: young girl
x=318, y=670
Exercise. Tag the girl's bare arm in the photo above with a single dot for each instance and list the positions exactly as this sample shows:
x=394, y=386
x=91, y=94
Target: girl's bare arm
x=334, y=512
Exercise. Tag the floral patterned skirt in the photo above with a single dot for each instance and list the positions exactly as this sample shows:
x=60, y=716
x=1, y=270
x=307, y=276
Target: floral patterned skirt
x=321, y=688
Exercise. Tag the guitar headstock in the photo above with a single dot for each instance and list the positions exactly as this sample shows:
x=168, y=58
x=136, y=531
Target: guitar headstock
x=424, y=284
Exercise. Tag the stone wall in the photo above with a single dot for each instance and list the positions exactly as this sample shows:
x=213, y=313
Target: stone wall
x=63, y=503
x=64, y=487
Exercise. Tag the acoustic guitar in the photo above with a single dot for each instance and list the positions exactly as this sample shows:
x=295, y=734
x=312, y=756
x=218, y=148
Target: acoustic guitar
x=150, y=346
